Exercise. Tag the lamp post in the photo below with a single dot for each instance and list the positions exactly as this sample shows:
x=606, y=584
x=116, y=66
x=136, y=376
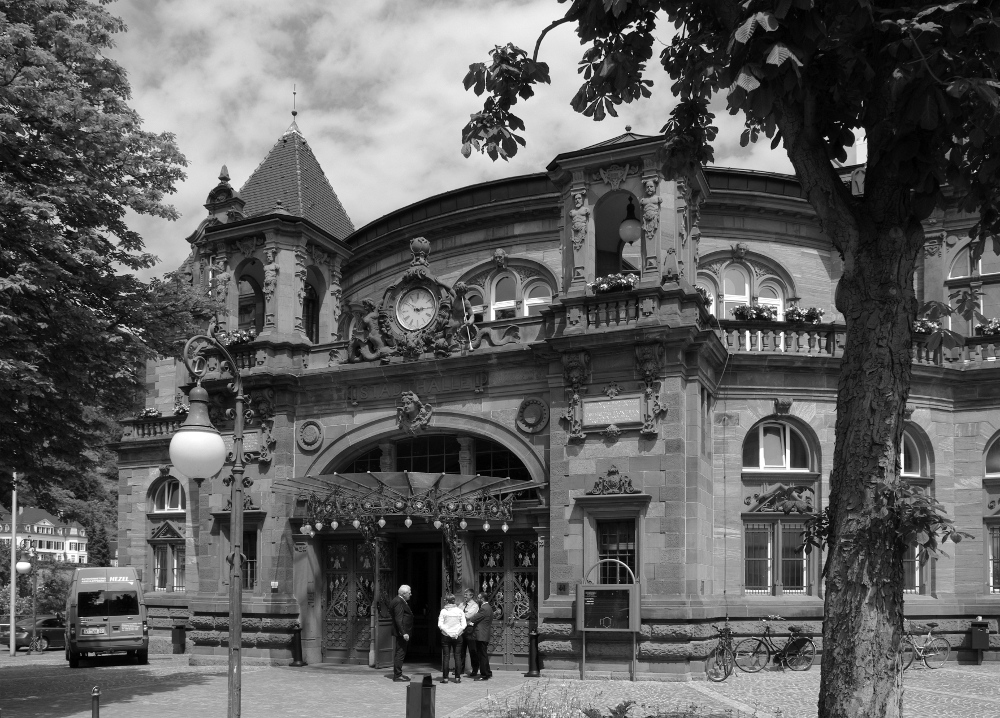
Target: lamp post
x=198, y=451
x=24, y=567
x=13, y=566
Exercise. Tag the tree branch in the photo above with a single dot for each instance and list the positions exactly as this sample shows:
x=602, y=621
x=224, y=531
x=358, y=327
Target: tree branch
x=538, y=42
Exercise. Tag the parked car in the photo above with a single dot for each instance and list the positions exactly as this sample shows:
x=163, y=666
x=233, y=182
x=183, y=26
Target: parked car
x=51, y=630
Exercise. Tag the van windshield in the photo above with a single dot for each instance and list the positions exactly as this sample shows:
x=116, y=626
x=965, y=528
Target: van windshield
x=108, y=603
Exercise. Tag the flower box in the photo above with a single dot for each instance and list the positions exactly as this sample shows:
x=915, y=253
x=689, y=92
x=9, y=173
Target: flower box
x=614, y=283
x=807, y=315
x=990, y=329
x=148, y=413
x=240, y=336
x=926, y=326
x=755, y=313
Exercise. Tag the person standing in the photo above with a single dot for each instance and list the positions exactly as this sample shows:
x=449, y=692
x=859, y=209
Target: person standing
x=483, y=631
x=451, y=622
x=470, y=607
x=402, y=625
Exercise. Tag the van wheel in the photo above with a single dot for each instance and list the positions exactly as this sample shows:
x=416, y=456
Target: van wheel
x=74, y=658
x=142, y=657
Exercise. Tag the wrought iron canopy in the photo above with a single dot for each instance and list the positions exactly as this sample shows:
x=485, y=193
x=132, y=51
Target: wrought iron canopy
x=377, y=494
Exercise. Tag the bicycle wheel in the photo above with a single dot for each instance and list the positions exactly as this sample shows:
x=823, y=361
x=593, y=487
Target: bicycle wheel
x=936, y=652
x=906, y=652
x=801, y=657
x=751, y=654
x=719, y=664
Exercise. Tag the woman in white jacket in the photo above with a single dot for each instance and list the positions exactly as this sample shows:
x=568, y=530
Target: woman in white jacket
x=451, y=622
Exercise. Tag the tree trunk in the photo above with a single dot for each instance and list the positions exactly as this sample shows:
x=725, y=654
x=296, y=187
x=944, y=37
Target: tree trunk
x=861, y=674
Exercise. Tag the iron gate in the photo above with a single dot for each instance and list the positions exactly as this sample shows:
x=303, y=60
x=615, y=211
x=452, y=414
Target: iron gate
x=349, y=587
x=507, y=573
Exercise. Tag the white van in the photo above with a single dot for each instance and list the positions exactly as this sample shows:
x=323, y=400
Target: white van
x=105, y=613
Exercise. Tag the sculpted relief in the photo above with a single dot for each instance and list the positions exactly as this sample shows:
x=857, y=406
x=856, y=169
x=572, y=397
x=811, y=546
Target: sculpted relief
x=420, y=316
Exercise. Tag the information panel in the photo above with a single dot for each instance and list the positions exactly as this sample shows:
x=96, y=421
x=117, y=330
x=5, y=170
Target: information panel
x=607, y=607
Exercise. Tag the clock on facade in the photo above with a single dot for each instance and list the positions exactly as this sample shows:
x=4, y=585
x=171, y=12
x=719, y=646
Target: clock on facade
x=415, y=309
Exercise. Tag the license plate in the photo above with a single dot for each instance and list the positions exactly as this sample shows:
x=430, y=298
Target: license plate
x=131, y=627
x=97, y=631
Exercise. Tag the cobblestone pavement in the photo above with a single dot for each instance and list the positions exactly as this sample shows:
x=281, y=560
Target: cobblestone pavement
x=45, y=687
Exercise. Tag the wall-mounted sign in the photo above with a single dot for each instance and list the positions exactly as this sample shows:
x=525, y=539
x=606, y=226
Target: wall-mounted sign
x=607, y=607
x=623, y=411
x=251, y=443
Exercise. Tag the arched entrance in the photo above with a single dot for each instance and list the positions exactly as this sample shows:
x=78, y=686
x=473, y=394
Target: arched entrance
x=433, y=550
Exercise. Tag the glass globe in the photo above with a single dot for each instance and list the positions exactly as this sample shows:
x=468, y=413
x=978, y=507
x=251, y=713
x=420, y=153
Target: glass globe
x=486, y=525
x=408, y=522
x=22, y=567
x=334, y=524
x=197, y=452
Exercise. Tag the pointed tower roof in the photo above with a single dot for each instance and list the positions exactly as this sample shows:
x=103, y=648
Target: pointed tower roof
x=291, y=175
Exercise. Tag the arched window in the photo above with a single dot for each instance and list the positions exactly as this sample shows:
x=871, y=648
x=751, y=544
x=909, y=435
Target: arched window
x=475, y=298
x=769, y=295
x=992, y=515
x=775, y=446
x=537, y=296
x=960, y=278
x=251, y=305
x=504, y=304
x=310, y=314
x=736, y=289
x=711, y=291
x=960, y=266
x=169, y=496
x=510, y=298
x=915, y=468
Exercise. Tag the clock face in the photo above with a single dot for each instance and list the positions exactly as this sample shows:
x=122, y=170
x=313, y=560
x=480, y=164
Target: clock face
x=415, y=309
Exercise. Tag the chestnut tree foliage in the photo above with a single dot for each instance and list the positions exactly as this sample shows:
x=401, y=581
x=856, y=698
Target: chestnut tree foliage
x=919, y=81
x=76, y=325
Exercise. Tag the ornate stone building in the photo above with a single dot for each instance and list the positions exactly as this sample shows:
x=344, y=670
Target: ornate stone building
x=461, y=393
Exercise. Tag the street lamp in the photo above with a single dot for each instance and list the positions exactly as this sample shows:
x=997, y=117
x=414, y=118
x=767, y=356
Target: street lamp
x=198, y=451
x=24, y=567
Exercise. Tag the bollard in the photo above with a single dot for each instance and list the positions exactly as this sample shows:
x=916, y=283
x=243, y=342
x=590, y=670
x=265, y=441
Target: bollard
x=297, y=661
x=95, y=703
x=420, y=699
x=532, y=655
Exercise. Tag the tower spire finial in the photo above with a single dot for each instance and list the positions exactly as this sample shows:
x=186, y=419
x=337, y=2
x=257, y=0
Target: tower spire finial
x=294, y=111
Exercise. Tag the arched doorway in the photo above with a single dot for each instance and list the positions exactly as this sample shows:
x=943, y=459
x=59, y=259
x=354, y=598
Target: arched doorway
x=501, y=564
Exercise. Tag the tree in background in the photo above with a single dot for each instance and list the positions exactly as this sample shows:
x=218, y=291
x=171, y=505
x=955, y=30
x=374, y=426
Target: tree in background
x=919, y=81
x=77, y=325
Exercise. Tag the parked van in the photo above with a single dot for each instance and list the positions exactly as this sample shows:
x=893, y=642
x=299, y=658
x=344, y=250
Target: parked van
x=105, y=613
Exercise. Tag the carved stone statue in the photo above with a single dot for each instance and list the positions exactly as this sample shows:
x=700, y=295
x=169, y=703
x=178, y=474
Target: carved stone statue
x=650, y=205
x=270, y=274
x=413, y=414
x=368, y=345
x=221, y=280
x=580, y=218
x=462, y=327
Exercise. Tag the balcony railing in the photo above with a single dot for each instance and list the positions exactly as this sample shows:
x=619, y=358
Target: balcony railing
x=760, y=337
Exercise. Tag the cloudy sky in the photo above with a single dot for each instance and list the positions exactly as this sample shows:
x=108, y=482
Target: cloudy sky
x=380, y=95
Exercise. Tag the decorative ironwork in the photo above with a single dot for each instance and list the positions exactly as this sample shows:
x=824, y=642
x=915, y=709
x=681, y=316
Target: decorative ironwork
x=349, y=503
x=613, y=483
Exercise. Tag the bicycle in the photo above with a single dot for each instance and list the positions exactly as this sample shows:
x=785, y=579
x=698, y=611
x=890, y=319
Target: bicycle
x=721, y=661
x=38, y=643
x=932, y=650
x=752, y=654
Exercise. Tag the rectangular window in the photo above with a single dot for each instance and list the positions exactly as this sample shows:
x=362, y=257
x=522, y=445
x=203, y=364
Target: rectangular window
x=616, y=540
x=774, y=558
x=250, y=567
x=161, y=568
x=179, y=556
x=994, y=559
x=912, y=572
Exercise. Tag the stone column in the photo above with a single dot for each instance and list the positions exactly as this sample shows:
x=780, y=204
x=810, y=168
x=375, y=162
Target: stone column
x=300, y=288
x=336, y=295
x=651, y=216
x=466, y=460
x=580, y=237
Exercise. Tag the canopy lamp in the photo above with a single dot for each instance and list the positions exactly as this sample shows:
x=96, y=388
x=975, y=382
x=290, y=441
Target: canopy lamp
x=630, y=229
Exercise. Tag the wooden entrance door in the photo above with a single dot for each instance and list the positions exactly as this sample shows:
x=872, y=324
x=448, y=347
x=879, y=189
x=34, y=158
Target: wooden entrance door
x=507, y=572
x=421, y=569
x=349, y=580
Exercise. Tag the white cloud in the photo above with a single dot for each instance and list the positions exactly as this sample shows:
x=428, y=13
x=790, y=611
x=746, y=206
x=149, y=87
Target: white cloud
x=380, y=95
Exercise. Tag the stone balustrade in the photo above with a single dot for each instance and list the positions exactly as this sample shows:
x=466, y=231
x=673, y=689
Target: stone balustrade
x=762, y=337
x=157, y=427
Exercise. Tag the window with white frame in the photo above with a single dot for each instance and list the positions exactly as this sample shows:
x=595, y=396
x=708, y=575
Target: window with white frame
x=169, y=496
x=507, y=296
x=994, y=558
x=735, y=288
x=914, y=467
x=769, y=295
x=504, y=304
x=775, y=446
x=985, y=272
x=711, y=291
x=168, y=566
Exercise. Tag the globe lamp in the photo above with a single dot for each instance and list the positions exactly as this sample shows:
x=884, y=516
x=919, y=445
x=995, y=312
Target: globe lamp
x=630, y=229
x=23, y=567
x=197, y=449
x=408, y=522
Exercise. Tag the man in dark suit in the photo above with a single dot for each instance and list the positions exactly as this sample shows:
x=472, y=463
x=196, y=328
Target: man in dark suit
x=482, y=632
x=402, y=625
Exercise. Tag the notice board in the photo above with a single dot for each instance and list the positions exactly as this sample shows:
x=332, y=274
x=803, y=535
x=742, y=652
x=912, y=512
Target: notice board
x=607, y=607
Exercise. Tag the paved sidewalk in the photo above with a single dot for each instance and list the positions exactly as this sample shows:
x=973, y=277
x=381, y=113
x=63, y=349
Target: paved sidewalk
x=45, y=687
